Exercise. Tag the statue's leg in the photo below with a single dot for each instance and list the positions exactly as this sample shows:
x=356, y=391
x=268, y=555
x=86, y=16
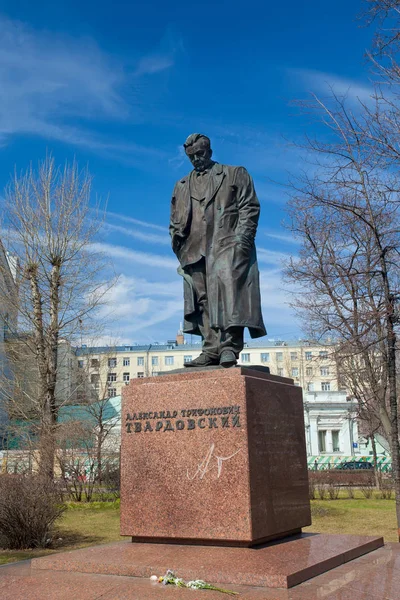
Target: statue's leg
x=210, y=350
x=231, y=344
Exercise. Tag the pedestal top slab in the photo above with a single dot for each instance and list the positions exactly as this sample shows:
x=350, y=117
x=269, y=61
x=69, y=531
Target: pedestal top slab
x=186, y=374
x=277, y=565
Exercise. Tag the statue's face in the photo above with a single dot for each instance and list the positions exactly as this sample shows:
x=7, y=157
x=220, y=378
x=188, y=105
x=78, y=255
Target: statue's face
x=199, y=155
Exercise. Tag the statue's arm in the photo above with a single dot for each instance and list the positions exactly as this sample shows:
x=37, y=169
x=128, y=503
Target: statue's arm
x=174, y=225
x=249, y=208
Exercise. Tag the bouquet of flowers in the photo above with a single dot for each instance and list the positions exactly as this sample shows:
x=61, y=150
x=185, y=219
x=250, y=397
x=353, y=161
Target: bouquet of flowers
x=197, y=584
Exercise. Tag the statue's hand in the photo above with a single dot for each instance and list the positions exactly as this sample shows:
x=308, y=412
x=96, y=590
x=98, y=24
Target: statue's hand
x=177, y=242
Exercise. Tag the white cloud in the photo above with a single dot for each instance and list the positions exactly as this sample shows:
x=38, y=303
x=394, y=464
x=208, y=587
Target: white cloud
x=154, y=64
x=281, y=237
x=126, y=254
x=136, y=221
x=271, y=257
x=51, y=83
x=137, y=304
x=318, y=81
x=150, y=238
x=44, y=73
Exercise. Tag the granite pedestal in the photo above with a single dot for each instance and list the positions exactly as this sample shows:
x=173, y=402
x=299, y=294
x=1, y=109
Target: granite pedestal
x=213, y=457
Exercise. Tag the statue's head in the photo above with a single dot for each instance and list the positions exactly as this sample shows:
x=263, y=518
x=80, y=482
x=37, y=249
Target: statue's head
x=198, y=150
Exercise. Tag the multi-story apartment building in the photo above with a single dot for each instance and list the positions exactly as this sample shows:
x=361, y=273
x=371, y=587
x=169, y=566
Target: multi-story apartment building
x=330, y=415
x=109, y=369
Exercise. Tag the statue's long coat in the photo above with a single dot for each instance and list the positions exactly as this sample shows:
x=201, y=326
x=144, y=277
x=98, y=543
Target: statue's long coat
x=231, y=212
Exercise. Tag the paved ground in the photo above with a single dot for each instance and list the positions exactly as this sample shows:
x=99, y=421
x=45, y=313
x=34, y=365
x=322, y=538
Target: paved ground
x=375, y=576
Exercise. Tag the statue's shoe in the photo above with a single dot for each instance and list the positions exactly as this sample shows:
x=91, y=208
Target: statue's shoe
x=202, y=361
x=227, y=359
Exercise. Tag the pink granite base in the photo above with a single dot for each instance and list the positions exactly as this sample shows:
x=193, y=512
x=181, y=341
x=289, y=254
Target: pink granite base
x=213, y=457
x=278, y=565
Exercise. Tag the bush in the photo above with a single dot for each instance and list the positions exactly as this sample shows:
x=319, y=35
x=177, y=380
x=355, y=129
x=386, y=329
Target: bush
x=311, y=489
x=333, y=490
x=29, y=507
x=386, y=491
x=322, y=491
x=367, y=491
x=344, y=478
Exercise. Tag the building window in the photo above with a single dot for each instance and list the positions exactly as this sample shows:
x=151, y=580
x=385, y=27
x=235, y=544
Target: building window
x=94, y=378
x=112, y=392
x=293, y=356
x=280, y=372
x=264, y=356
x=325, y=386
x=323, y=354
x=310, y=387
x=140, y=374
x=126, y=361
x=246, y=357
x=112, y=377
x=168, y=360
x=154, y=361
x=154, y=373
x=112, y=362
x=322, y=440
x=335, y=441
x=309, y=371
x=95, y=363
x=80, y=364
x=324, y=370
x=187, y=358
x=140, y=361
x=295, y=372
x=308, y=355
x=125, y=377
x=279, y=356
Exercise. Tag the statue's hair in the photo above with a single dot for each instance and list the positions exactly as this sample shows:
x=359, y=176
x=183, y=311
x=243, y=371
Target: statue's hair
x=194, y=137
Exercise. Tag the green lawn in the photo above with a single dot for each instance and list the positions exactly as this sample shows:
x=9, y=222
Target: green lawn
x=81, y=525
x=98, y=523
x=357, y=516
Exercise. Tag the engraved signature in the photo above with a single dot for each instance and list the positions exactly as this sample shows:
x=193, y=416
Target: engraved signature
x=207, y=464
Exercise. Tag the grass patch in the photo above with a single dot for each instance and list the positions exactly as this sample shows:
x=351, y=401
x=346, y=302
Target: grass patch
x=81, y=525
x=98, y=523
x=358, y=517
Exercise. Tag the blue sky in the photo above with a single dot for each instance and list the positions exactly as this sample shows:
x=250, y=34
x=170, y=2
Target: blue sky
x=120, y=86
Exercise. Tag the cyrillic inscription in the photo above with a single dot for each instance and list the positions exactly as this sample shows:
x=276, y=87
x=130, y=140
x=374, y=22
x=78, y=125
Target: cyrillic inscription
x=194, y=418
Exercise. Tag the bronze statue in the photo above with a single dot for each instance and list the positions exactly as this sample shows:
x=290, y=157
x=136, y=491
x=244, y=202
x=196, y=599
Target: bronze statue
x=214, y=217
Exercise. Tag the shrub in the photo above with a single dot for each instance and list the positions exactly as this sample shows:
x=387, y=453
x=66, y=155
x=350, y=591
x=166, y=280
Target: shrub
x=333, y=491
x=367, y=490
x=112, y=480
x=311, y=489
x=322, y=491
x=386, y=490
x=29, y=507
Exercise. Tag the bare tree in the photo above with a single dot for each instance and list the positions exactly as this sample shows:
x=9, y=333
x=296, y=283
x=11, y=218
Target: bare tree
x=347, y=216
x=52, y=226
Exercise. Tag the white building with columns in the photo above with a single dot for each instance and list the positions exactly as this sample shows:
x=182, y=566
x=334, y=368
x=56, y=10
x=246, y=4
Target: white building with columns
x=331, y=424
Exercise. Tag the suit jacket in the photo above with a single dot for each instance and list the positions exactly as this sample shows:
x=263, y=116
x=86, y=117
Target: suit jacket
x=231, y=213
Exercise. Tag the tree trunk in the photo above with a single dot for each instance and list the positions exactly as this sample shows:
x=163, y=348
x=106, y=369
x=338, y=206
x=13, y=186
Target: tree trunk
x=99, y=457
x=376, y=471
x=394, y=415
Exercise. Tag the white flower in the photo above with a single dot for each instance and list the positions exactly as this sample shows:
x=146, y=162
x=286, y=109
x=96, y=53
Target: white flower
x=198, y=584
x=154, y=578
